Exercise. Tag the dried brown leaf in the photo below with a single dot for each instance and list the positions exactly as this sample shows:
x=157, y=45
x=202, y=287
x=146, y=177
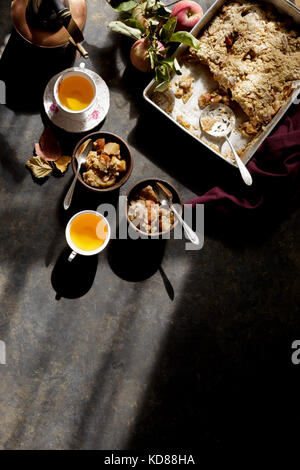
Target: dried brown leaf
x=62, y=163
x=39, y=167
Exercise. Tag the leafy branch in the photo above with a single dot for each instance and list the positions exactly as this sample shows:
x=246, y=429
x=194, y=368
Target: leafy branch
x=152, y=20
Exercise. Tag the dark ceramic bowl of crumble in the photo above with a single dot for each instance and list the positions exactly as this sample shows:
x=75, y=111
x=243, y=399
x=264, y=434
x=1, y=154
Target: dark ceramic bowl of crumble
x=133, y=193
x=125, y=154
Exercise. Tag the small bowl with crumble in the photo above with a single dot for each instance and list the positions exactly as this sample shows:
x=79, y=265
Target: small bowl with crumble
x=146, y=214
x=108, y=164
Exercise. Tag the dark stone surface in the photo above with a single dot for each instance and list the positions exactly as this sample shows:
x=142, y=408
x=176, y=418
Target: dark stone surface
x=148, y=345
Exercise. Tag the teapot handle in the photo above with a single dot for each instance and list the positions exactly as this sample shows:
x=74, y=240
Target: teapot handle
x=63, y=13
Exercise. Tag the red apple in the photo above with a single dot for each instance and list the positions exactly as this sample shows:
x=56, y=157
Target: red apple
x=139, y=54
x=188, y=13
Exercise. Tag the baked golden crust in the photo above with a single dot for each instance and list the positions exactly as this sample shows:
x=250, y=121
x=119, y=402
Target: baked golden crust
x=255, y=54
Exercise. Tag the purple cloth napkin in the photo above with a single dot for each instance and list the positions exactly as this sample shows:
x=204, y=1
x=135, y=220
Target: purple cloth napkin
x=275, y=169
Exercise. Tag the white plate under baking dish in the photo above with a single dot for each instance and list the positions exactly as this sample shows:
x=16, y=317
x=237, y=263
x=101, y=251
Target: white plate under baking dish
x=204, y=82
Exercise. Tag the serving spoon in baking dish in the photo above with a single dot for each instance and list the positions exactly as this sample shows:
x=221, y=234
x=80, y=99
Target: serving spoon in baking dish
x=218, y=120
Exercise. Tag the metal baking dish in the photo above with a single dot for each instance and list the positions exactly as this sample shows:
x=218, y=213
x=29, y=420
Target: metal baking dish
x=210, y=10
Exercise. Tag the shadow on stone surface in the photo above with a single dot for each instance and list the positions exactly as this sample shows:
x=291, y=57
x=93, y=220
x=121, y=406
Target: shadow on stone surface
x=113, y=64
x=9, y=161
x=223, y=369
x=240, y=228
x=167, y=283
x=135, y=260
x=225, y=363
x=26, y=70
x=73, y=279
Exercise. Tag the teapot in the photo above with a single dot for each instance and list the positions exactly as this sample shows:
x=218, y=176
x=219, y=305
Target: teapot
x=50, y=23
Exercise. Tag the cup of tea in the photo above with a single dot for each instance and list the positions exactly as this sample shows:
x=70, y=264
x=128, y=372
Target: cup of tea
x=87, y=233
x=75, y=91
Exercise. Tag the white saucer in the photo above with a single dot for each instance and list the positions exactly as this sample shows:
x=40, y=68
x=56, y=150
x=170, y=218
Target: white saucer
x=90, y=118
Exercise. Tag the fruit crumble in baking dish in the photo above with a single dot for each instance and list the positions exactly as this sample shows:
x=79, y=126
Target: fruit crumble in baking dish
x=254, y=56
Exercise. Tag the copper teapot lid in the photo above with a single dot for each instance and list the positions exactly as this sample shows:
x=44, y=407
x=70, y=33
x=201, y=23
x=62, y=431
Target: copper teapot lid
x=43, y=38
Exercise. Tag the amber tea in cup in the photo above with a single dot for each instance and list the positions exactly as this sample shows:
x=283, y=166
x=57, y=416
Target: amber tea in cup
x=75, y=92
x=87, y=233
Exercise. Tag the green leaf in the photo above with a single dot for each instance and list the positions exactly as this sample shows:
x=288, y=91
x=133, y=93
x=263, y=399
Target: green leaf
x=150, y=4
x=152, y=56
x=123, y=6
x=157, y=9
x=172, y=64
x=168, y=29
x=125, y=15
x=161, y=73
x=162, y=11
x=162, y=86
x=169, y=62
x=177, y=67
x=153, y=24
x=162, y=76
x=185, y=38
x=163, y=52
x=139, y=11
x=134, y=24
x=119, y=27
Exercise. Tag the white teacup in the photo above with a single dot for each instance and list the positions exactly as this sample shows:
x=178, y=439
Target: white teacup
x=76, y=72
x=86, y=226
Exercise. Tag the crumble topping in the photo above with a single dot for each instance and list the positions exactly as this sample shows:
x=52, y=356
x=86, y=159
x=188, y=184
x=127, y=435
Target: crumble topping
x=180, y=119
x=183, y=88
x=104, y=164
x=255, y=54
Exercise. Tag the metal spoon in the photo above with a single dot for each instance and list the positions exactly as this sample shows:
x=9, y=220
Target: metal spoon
x=165, y=197
x=218, y=120
x=81, y=159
